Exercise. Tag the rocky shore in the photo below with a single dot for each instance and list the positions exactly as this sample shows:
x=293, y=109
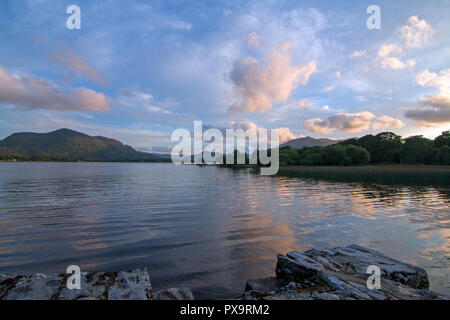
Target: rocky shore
x=341, y=274
x=329, y=274
x=123, y=285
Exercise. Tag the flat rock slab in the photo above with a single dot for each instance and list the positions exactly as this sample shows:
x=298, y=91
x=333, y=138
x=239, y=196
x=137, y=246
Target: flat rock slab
x=341, y=274
x=122, y=285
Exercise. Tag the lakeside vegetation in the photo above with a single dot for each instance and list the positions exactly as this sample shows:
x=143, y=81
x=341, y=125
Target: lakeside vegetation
x=383, y=148
x=382, y=174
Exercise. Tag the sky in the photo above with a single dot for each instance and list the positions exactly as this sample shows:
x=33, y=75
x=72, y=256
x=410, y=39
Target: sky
x=139, y=69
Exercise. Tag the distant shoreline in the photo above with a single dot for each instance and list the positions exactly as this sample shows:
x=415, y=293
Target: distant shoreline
x=89, y=161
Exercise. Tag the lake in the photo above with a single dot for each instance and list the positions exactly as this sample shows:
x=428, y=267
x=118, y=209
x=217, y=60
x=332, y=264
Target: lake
x=207, y=228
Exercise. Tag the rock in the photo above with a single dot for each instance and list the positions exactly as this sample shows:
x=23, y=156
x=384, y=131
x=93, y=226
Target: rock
x=122, y=285
x=297, y=267
x=174, y=294
x=93, y=287
x=341, y=274
x=263, y=286
x=32, y=287
x=131, y=285
x=355, y=260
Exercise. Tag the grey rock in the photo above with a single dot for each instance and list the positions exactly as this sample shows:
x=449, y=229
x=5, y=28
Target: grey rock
x=93, y=287
x=341, y=273
x=355, y=259
x=174, y=294
x=122, y=285
x=131, y=285
x=264, y=286
x=297, y=267
x=34, y=287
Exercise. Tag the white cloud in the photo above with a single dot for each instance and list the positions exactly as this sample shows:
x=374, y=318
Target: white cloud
x=388, y=49
x=257, y=86
x=416, y=33
x=351, y=122
x=394, y=63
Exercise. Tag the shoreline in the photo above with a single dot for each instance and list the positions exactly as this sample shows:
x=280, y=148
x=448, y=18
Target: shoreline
x=340, y=273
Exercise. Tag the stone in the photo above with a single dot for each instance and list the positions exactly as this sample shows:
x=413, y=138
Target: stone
x=33, y=287
x=121, y=285
x=174, y=294
x=355, y=259
x=341, y=274
x=265, y=285
x=297, y=267
x=131, y=285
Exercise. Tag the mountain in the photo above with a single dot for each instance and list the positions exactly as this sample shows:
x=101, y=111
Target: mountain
x=66, y=144
x=308, y=142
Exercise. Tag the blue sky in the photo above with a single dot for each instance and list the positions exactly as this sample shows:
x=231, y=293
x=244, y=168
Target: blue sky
x=137, y=70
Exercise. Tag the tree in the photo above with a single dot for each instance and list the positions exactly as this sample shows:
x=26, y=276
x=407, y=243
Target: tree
x=443, y=155
x=442, y=140
x=357, y=155
x=335, y=155
x=417, y=150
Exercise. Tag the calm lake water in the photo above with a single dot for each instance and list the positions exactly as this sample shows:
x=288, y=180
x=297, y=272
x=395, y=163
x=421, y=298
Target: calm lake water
x=209, y=229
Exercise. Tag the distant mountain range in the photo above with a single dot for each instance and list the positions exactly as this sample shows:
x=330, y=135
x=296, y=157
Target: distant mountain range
x=69, y=145
x=309, y=142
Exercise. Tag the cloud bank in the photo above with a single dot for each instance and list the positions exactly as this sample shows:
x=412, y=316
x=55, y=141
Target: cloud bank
x=351, y=122
x=432, y=109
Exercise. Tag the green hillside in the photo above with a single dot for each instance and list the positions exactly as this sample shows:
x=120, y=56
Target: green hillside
x=69, y=145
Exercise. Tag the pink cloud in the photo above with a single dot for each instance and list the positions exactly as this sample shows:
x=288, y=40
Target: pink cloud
x=38, y=93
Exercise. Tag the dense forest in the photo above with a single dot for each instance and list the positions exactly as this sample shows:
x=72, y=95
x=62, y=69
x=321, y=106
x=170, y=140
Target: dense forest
x=383, y=148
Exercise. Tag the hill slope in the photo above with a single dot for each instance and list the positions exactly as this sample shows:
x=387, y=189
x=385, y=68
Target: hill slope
x=308, y=142
x=66, y=144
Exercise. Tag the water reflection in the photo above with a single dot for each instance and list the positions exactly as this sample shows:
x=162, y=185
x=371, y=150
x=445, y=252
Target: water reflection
x=207, y=228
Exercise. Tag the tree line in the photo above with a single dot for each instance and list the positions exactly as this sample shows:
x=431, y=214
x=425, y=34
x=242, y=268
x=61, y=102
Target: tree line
x=383, y=148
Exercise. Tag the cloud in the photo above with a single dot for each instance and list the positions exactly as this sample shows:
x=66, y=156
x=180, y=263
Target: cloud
x=432, y=109
x=394, y=63
x=351, y=122
x=416, y=33
x=285, y=134
x=388, y=49
x=357, y=54
x=440, y=81
x=257, y=86
x=37, y=93
x=67, y=57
